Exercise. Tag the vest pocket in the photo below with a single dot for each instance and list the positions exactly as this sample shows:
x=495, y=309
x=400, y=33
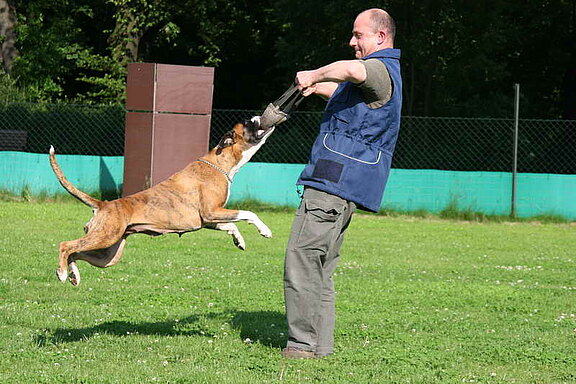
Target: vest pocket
x=339, y=123
x=328, y=170
x=351, y=149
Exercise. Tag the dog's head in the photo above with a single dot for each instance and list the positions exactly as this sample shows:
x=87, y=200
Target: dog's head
x=254, y=133
x=245, y=136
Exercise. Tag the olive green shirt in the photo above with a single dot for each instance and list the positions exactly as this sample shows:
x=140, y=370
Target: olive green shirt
x=377, y=88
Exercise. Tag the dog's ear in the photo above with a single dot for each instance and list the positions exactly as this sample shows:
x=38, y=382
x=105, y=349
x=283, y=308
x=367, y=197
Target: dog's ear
x=226, y=141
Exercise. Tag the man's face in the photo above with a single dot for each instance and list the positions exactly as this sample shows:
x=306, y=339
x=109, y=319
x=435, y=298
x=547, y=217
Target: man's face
x=364, y=39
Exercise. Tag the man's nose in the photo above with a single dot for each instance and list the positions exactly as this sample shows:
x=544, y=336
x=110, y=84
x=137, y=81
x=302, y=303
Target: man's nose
x=352, y=41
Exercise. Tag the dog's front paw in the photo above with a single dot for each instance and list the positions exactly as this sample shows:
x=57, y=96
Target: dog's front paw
x=251, y=218
x=238, y=240
x=265, y=231
x=240, y=243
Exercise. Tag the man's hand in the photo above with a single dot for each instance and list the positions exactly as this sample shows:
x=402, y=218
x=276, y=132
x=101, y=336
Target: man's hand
x=324, y=80
x=309, y=90
x=305, y=81
x=308, y=85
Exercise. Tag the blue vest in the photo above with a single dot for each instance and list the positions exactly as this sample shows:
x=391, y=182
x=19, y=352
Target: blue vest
x=351, y=156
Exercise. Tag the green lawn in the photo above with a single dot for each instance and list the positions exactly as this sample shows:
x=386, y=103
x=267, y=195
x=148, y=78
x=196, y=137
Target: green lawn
x=419, y=301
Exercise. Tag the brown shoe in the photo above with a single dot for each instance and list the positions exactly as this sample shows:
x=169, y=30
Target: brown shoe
x=297, y=353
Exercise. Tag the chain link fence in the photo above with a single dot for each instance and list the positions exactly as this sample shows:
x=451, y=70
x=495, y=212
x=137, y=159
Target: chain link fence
x=72, y=129
x=459, y=144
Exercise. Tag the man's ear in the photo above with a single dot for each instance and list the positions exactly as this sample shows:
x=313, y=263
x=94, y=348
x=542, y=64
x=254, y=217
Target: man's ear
x=226, y=141
x=381, y=34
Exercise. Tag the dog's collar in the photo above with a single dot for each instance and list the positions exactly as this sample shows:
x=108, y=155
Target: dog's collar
x=217, y=168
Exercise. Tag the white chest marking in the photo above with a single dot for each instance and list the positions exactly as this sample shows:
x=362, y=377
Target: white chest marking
x=247, y=155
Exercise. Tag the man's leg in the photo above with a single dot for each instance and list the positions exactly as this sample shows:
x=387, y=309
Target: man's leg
x=316, y=226
x=327, y=319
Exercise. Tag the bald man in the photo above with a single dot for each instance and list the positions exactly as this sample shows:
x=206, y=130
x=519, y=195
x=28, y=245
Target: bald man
x=348, y=169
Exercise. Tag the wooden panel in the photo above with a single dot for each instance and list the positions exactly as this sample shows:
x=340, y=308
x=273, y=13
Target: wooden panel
x=140, y=86
x=169, y=122
x=184, y=89
x=137, y=152
x=178, y=140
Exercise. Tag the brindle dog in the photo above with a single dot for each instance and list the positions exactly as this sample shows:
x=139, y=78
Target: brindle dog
x=189, y=200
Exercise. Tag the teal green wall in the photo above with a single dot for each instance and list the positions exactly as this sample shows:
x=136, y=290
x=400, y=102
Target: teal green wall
x=407, y=190
x=433, y=190
x=267, y=182
x=19, y=170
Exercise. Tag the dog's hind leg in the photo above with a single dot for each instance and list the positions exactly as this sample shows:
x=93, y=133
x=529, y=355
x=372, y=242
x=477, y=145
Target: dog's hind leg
x=74, y=275
x=94, y=240
x=101, y=258
x=232, y=230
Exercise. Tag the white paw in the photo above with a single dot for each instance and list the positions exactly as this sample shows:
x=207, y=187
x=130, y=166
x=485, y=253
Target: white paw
x=233, y=231
x=62, y=275
x=238, y=240
x=74, y=276
x=265, y=231
x=240, y=243
x=253, y=219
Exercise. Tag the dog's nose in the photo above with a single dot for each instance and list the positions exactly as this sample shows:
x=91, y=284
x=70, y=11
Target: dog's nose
x=256, y=121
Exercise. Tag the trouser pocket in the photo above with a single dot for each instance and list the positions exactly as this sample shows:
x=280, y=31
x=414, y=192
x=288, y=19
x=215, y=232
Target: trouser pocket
x=317, y=221
x=323, y=211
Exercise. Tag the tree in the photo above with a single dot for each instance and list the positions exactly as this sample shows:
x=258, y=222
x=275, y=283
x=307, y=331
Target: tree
x=78, y=50
x=53, y=41
x=8, y=49
x=236, y=37
x=459, y=58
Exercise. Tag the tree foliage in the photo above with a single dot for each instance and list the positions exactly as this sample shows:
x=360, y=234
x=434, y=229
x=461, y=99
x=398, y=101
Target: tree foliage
x=460, y=58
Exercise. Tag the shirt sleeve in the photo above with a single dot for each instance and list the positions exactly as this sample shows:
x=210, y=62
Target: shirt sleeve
x=377, y=88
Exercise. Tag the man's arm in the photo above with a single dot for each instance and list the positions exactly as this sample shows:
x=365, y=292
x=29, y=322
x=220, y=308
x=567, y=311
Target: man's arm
x=324, y=90
x=324, y=80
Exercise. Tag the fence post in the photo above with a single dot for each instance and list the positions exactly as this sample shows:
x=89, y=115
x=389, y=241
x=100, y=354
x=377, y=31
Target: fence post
x=515, y=156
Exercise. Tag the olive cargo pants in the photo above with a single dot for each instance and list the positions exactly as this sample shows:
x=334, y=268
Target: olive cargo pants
x=311, y=256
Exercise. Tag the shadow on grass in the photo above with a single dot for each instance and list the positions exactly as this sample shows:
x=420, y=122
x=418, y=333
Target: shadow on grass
x=264, y=327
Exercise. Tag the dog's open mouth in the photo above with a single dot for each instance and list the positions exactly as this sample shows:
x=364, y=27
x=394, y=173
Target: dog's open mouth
x=261, y=132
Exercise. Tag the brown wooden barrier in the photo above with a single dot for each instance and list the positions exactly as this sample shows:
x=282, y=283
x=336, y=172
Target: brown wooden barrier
x=167, y=123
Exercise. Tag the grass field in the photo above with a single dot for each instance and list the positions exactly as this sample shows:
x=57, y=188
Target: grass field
x=420, y=300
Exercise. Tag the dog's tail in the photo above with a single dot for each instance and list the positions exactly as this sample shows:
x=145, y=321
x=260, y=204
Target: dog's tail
x=83, y=197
